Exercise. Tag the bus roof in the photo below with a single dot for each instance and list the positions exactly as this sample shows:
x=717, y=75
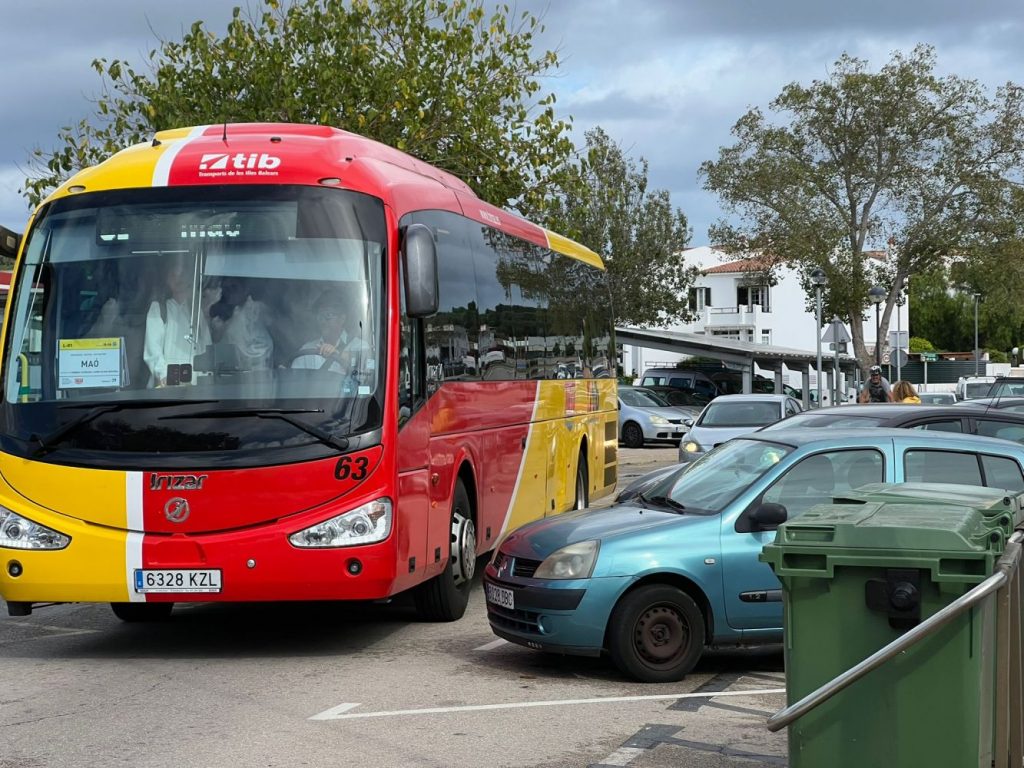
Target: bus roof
x=284, y=153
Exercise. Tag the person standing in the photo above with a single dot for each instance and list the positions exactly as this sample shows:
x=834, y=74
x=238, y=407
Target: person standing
x=172, y=342
x=904, y=392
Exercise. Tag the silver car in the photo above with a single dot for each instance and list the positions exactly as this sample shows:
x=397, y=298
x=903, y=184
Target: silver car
x=729, y=416
x=646, y=418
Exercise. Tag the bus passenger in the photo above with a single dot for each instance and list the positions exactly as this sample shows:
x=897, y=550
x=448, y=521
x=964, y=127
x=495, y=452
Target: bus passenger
x=171, y=342
x=241, y=320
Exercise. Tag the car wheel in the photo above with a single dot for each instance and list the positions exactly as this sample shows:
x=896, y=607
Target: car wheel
x=142, y=611
x=444, y=597
x=656, y=634
x=582, y=499
x=632, y=435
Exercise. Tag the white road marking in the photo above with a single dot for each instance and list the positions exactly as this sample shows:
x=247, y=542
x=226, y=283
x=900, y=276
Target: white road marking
x=337, y=714
x=623, y=756
x=334, y=712
x=492, y=645
x=64, y=631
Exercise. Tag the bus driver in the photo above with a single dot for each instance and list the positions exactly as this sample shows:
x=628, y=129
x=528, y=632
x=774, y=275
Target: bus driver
x=335, y=349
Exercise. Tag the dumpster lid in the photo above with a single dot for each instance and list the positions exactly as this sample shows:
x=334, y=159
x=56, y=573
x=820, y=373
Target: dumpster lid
x=880, y=525
x=994, y=499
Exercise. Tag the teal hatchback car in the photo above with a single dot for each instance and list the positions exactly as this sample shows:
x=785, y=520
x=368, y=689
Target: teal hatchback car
x=654, y=581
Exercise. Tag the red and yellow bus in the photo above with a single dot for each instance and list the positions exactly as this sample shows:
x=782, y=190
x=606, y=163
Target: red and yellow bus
x=268, y=362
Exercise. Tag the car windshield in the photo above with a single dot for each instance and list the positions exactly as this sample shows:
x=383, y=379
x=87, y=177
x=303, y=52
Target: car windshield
x=640, y=398
x=844, y=417
x=711, y=483
x=133, y=306
x=742, y=413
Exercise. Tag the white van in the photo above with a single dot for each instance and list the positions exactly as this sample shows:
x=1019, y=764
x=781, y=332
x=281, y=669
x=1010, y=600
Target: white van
x=970, y=387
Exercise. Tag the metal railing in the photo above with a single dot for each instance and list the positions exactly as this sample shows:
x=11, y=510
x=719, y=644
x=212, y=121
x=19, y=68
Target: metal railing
x=1005, y=585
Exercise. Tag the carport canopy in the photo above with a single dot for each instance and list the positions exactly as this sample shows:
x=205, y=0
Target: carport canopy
x=739, y=355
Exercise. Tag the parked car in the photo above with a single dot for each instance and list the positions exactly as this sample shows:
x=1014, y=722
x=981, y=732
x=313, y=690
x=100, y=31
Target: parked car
x=685, y=398
x=1006, y=386
x=937, y=398
x=646, y=418
x=731, y=383
x=1007, y=404
x=729, y=416
x=653, y=582
x=970, y=387
x=680, y=378
x=972, y=420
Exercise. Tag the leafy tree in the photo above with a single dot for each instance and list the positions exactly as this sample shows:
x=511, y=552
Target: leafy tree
x=917, y=344
x=446, y=80
x=608, y=207
x=898, y=160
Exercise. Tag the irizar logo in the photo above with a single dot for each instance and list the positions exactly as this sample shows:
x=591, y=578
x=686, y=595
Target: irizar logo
x=240, y=161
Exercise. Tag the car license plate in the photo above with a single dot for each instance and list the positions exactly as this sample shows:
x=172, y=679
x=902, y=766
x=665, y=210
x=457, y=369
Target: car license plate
x=177, y=580
x=500, y=596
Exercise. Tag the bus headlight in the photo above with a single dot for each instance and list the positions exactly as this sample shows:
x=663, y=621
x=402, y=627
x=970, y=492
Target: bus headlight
x=575, y=561
x=17, y=532
x=364, y=525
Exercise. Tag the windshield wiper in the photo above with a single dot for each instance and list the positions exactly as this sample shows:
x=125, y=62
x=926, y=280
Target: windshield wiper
x=283, y=414
x=48, y=442
x=667, y=501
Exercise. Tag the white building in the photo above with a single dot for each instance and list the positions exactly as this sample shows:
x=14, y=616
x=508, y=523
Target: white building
x=732, y=300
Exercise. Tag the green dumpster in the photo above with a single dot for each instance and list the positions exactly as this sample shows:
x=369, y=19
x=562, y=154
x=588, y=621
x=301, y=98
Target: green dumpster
x=1003, y=509
x=857, y=576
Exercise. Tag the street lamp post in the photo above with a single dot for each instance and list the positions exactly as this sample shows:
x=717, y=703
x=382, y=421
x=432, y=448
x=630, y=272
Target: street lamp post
x=976, y=333
x=818, y=279
x=877, y=296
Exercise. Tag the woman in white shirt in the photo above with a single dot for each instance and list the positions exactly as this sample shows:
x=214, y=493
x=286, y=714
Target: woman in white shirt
x=170, y=337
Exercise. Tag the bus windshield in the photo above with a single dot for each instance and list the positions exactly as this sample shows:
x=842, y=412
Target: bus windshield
x=241, y=318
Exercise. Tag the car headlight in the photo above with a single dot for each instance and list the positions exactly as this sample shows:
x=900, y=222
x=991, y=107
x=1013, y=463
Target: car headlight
x=364, y=525
x=659, y=420
x=691, y=446
x=17, y=532
x=575, y=561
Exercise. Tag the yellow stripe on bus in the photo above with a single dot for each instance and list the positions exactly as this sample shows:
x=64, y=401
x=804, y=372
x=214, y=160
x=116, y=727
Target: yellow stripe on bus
x=561, y=244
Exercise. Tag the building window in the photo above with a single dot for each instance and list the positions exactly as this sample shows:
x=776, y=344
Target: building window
x=766, y=335
x=699, y=298
x=749, y=295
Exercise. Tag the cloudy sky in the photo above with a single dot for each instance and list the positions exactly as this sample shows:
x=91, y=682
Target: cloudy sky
x=665, y=78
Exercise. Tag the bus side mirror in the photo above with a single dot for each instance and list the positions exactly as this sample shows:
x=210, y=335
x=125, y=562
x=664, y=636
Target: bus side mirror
x=419, y=263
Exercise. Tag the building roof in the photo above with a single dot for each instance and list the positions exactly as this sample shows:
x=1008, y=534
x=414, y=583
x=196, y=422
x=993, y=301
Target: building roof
x=752, y=264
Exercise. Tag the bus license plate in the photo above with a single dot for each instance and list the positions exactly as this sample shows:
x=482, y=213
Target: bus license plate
x=177, y=580
x=500, y=596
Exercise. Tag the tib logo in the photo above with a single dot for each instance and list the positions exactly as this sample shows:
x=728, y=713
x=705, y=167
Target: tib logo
x=240, y=161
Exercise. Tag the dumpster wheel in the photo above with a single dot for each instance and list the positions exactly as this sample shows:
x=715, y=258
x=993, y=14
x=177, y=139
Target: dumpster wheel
x=656, y=634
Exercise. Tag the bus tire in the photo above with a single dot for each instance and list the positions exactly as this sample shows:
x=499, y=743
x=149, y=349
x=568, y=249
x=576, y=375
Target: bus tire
x=656, y=634
x=134, y=612
x=444, y=597
x=582, y=499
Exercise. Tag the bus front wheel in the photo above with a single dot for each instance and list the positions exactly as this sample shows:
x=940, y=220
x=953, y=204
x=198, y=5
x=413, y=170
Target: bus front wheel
x=444, y=597
x=142, y=611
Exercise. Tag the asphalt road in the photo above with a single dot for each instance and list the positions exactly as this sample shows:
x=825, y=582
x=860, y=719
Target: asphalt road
x=328, y=685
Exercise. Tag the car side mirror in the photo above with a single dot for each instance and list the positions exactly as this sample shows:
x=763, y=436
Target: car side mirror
x=768, y=516
x=687, y=422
